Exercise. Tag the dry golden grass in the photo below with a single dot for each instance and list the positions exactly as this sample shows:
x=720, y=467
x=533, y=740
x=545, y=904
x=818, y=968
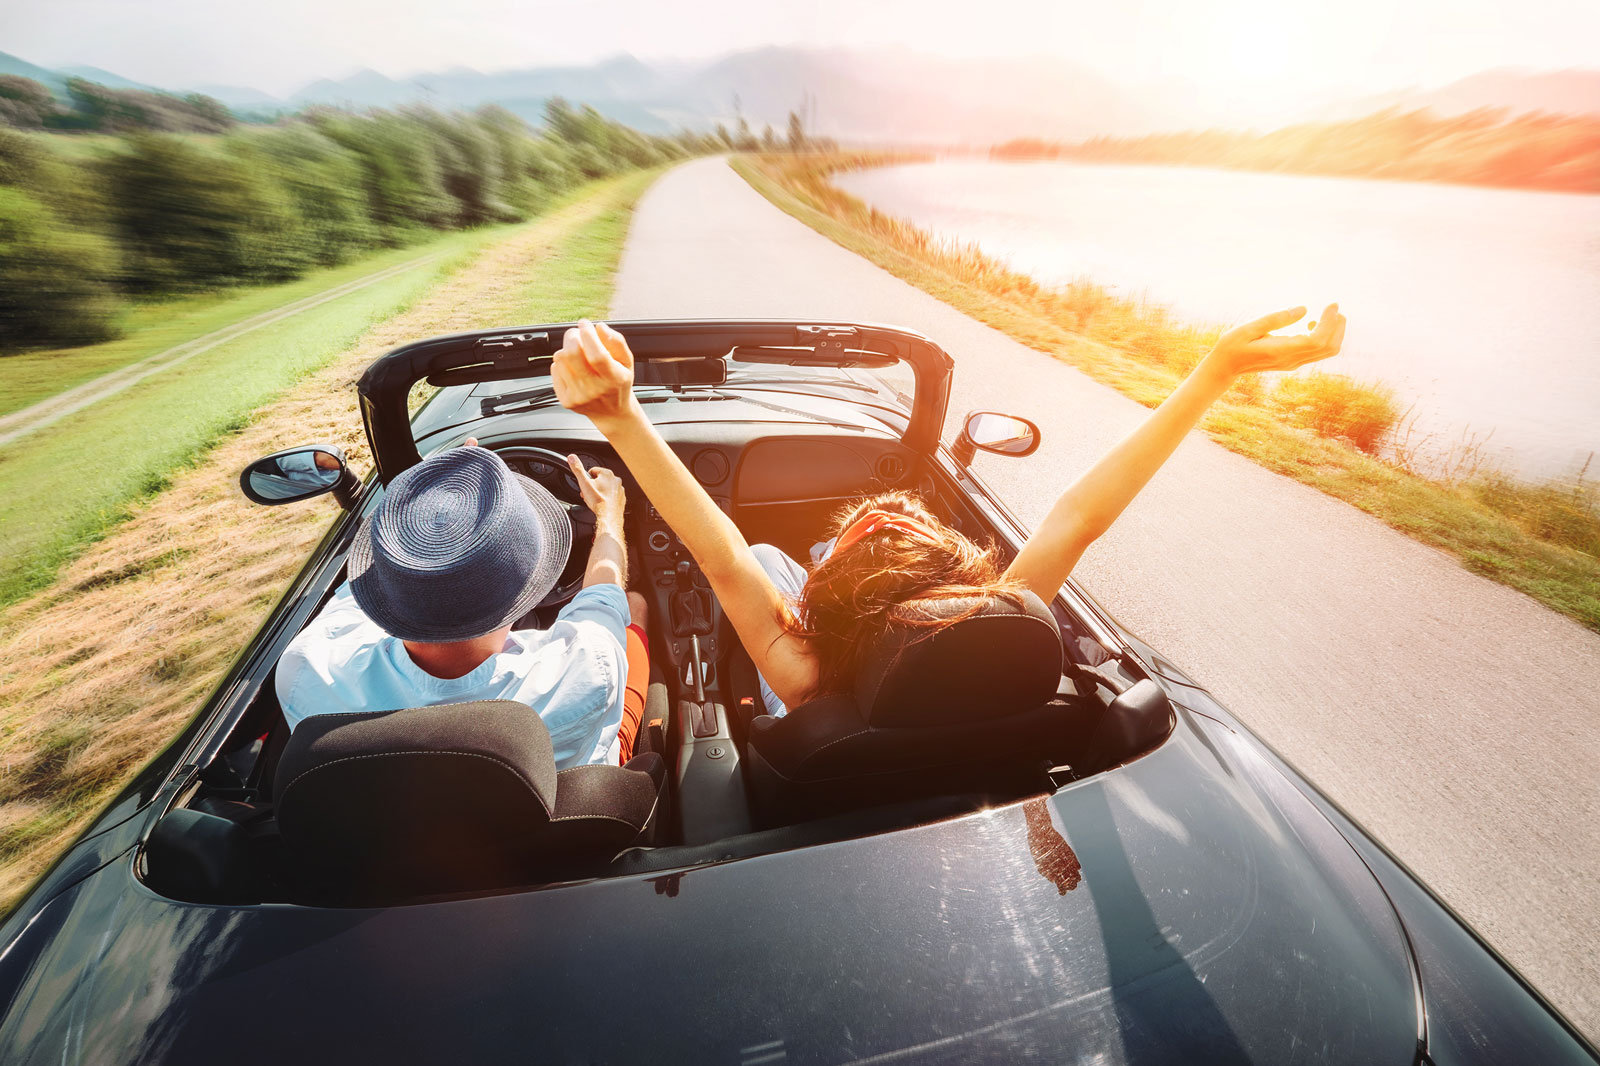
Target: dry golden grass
x=99, y=671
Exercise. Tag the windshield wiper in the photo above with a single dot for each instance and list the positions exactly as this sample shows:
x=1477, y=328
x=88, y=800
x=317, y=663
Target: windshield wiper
x=705, y=393
x=536, y=399
x=756, y=383
x=532, y=398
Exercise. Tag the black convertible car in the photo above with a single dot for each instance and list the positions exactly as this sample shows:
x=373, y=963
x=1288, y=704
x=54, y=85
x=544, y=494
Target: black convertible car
x=1028, y=839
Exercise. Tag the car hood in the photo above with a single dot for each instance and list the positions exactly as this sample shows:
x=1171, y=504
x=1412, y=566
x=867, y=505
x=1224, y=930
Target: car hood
x=1191, y=906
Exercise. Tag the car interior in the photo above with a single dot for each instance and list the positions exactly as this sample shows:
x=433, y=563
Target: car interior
x=440, y=802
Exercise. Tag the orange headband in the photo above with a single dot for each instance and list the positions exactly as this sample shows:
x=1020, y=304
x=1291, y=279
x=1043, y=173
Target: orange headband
x=875, y=520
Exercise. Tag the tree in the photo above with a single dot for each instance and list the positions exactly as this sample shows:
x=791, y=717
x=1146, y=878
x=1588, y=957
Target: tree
x=191, y=218
x=323, y=181
x=24, y=103
x=55, y=281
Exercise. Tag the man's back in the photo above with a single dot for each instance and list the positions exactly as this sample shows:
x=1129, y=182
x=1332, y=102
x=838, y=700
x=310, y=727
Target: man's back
x=572, y=674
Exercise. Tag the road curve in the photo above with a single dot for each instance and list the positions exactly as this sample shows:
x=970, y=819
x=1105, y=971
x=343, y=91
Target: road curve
x=1458, y=720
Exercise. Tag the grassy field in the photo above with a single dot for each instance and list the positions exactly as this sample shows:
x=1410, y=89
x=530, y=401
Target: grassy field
x=100, y=669
x=1543, y=539
x=63, y=485
x=156, y=326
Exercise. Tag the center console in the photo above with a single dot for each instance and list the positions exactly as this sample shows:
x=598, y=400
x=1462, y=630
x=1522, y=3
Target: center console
x=696, y=637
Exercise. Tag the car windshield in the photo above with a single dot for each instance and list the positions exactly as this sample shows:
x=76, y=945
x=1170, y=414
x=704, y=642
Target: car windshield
x=887, y=391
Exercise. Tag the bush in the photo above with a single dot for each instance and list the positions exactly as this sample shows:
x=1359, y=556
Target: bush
x=264, y=203
x=71, y=192
x=1561, y=513
x=190, y=218
x=24, y=103
x=323, y=183
x=55, y=281
x=1339, y=407
x=400, y=171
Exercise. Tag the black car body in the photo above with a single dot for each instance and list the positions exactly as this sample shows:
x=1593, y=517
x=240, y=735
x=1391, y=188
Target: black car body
x=1195, y=901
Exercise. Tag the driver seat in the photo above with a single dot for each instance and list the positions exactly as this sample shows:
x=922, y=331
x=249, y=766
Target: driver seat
x=972, y=708
x=380, y=807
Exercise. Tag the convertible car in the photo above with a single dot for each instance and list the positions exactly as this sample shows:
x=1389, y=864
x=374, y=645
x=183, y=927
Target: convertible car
x=1030, y=838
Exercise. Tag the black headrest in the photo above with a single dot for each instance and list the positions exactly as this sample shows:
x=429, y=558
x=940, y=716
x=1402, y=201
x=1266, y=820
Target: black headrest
x=1002, y=658
x=458, y=792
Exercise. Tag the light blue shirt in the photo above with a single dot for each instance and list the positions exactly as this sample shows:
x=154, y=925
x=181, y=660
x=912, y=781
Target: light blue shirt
x=572, y=674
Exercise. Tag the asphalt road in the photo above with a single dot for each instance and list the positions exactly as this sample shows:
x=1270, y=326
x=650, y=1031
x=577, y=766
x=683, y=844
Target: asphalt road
x=1458, y=720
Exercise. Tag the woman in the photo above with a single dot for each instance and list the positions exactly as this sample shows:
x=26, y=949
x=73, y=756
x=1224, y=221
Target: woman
x=806, y=634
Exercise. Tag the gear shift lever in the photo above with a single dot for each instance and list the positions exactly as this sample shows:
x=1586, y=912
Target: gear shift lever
x=691, y=606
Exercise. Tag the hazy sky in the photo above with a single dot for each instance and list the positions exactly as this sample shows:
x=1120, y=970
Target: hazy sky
x=1299, y=47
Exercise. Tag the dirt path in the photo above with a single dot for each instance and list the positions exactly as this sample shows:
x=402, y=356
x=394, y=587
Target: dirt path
x=53, y=409
x=1455, y=718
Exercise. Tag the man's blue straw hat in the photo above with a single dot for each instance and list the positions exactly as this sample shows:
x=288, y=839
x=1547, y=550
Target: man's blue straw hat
x=458, y=547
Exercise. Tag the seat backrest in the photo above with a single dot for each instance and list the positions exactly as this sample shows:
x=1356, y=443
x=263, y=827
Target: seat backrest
x=380, y=806
x=1002, y=657
x=931, y=711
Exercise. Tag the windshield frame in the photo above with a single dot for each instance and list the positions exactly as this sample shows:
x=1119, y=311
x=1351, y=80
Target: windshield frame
x=524, y=354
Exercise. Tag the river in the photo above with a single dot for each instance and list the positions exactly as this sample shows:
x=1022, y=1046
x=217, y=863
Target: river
x=1481, y=307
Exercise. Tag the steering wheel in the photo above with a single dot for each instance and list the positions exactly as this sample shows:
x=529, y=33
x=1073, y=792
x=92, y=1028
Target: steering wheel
x=549, y=469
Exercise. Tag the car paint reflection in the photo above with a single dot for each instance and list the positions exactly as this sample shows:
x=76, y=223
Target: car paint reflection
x=1230, y=947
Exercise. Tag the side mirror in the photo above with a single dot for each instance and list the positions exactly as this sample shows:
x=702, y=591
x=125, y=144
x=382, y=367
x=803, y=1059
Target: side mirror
x=299, y=474
x=994, y=432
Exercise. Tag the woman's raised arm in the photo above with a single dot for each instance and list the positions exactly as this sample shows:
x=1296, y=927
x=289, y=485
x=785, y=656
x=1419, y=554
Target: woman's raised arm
x=1087, y=509
x=593, y=375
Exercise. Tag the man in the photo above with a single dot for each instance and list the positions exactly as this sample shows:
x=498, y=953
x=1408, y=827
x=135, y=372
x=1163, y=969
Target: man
x=458, y=550
x=291, y=476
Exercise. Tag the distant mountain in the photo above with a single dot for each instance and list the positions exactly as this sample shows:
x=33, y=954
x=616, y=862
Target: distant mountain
x=21, y=68
x=365, y=88
x=898, y=94
x=860, y=95
x=1569, y=92
x=854, y=94
x=105, y=77
x=1564, y=92
x=901, y=95
x=243, y=100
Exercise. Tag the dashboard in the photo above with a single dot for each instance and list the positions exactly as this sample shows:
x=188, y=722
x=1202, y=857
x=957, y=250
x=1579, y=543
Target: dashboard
x=744, y=476
x=781, y=490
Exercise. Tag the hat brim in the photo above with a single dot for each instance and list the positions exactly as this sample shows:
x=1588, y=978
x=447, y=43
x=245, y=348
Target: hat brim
x=405, y=622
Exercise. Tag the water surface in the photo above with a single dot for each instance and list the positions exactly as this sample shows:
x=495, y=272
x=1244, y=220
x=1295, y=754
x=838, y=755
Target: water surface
x=1480, y=306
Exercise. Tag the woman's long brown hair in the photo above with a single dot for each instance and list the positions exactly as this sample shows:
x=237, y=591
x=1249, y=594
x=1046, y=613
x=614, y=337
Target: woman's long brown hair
x=857, y=594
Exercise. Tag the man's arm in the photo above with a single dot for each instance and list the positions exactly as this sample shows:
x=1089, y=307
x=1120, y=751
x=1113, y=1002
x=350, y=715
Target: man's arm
x=603, y=493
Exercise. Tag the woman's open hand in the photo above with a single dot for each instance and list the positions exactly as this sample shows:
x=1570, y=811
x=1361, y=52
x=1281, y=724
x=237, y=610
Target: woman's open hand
x=1252, y=347
x=593, y=372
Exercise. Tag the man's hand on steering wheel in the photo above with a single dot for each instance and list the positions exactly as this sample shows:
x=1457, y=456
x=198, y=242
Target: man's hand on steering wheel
x=602, y=492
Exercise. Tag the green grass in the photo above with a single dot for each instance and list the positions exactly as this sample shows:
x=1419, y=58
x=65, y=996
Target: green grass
x=62, y=486
x=152, y=328
x=575, y=279
x=1539, y=538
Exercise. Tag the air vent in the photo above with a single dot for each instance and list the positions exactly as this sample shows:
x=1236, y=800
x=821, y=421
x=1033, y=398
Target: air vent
x=891, y=468
x=710, y=467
